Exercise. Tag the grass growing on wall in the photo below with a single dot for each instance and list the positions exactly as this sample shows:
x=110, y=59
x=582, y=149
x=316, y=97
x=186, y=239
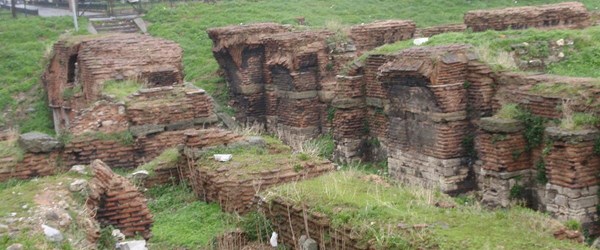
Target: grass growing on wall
x=24, y=45
x=187, y=23
x=494, y=47
x=374, y=210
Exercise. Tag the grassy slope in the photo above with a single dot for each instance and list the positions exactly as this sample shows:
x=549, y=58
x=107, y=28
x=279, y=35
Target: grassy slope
x=24, y=42
x=371, y=208
x=187, y=23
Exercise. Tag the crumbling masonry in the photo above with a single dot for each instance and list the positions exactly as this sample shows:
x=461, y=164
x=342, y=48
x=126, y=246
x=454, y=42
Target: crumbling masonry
x=428, y=111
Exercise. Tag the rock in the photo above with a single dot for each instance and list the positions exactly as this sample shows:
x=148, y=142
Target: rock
x=306, y=243
x=78, y=185
x=132, y=245
x=420, y=41
x=15, y=246
x=139, y=175
x=273, y=239
x=36, y=142
x=560, y=42
x=52, y=234
x=3, y=228
x=80, y=169
x=118, y=235
x=223, y=157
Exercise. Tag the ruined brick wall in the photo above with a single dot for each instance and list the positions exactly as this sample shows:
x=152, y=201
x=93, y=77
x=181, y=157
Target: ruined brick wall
x=240, y=53
x=427, y=115
x=369, y=36
x=504, y=161
x=114, y=201
x=436, y=30
x=290, y=222
x=235, y=193
x=128, y=56
x=573, y=171
x=80, y=66
x=120, y=152
x=286, y=80
x=31, y=165
x=517, y=88
x=561, y=15
x=102, y=116
x=170, y=108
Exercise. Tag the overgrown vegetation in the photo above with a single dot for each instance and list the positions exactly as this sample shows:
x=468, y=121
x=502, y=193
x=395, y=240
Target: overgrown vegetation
x=579, y=120
x=11, y=149
x=167, y=158
x=374, y=210
x=509, y=111
x=124, y=137
x=247, y=159
x=24, y=49
x=121, y=89
x=182, y=221
x=495, y=48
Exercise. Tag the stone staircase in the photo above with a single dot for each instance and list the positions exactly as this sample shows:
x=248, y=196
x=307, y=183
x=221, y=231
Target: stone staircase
x=115, y=25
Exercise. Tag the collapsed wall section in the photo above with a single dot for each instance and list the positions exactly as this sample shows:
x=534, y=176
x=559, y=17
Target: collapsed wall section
x=114, y=201
x=560, y=15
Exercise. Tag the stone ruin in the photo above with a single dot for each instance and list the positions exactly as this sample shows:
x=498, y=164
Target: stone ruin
x=428, y=111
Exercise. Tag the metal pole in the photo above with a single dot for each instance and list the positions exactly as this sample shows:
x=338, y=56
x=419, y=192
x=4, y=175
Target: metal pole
x=75, y=15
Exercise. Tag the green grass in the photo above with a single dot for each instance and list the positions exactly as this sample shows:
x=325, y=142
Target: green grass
x=121, y=89
x=579, y=120
x=167, y=158
x=187, y=23
x=181, y=221
x=124, y=137
x=248, y=159
x=11, y=149
x=24, y=45
x=493, y=47
x=509, y=111
x=374, y=209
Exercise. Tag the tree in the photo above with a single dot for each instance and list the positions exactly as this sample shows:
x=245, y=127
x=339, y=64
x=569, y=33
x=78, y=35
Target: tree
x=13, y=8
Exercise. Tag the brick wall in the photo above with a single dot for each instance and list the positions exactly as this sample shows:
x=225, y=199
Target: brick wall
x=561, y=15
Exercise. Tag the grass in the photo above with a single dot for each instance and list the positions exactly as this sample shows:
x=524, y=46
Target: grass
x=248, y=159
x=187, y=22
x=181, y=221
x=24, y=47
x=11, y=149
x=494, y=48
x=374, y=209
x=167, y=158
x=578, y=120
x=509, y=111
x=125, y=137
x=121, y=89
x=18, y=193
